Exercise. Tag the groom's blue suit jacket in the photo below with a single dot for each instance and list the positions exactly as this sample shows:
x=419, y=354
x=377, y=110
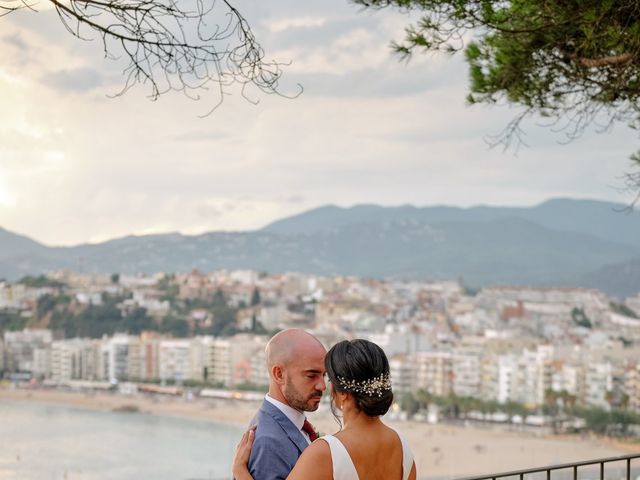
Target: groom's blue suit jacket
x=277, y=445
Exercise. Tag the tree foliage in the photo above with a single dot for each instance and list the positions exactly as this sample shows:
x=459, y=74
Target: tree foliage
x=45, y=304
x=580, y=318
x=41, y=281
x=11, y=320
x=169, y=288
x=94, y=321
x=175, y=326
x=616, y=422
x=113, y=316
x=255, y=297
x=574, y=62
x=186, y=45
x=623, y=309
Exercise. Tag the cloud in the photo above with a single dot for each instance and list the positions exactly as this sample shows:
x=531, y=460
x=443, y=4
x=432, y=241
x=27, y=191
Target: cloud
x=368, y=129
x=77, y=80
x=7, y=199
x=353, y=59
x=19, y=50
x=397, y=80
x=282, y=24
x=201, y=136
x=295, y=199
x=16, y=40
x=350, y=52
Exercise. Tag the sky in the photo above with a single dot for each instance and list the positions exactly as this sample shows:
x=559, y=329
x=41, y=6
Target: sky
x=78, y=165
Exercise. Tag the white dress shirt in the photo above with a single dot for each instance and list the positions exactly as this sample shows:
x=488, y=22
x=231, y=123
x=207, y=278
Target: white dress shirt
x=296, y=416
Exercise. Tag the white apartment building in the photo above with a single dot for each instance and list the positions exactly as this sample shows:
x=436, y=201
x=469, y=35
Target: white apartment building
x=434, y=372
x=121, y=358
x=42, y=362
x=527, y=379
x=153, y=306
x=273, y=316
x=28, y=351
x=573, y=379
x=488, y=377
x=175, y=360
x=402, y=371
x=467, y=374
x=568, y=377
x=207, y=357
x=229, y=359
x=499, y=374
x=135, y=358
x=632, y=386
x=517, y=377
x=89, y=297
x=198, y=357
x=507, y=365
x=474, y=322
x=75, y=359
x=400, y=340
x=598, y=382
x=259, y=373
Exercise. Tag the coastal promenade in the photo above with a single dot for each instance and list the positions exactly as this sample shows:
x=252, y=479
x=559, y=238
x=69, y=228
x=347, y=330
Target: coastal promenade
x=441, y=451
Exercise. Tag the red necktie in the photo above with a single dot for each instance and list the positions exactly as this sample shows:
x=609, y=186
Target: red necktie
x=307, y=427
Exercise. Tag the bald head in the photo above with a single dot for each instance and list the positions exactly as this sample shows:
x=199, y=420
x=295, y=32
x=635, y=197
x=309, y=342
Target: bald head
x=295, y=360
x=290, y=344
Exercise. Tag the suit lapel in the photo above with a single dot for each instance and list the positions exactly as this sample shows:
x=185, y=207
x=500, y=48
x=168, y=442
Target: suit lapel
x=287, y=425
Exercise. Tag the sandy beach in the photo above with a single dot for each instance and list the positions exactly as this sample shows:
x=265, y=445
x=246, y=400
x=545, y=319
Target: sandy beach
x=440, y=450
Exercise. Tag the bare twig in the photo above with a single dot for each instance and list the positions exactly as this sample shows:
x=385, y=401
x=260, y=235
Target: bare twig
x=172, y=45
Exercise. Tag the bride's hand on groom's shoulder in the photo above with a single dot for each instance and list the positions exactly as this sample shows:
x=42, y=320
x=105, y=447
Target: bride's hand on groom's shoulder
x=243, y=452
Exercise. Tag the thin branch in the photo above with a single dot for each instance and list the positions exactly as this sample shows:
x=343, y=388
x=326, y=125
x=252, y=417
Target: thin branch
x=172, y=45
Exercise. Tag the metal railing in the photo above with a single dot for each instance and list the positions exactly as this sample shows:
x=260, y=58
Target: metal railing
x=571, y=467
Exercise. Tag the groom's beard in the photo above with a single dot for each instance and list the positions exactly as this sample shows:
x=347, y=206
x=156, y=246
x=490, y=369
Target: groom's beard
x=304, y=404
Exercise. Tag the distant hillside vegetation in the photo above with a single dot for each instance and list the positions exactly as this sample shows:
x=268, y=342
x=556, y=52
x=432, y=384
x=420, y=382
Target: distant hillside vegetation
x=558, y=243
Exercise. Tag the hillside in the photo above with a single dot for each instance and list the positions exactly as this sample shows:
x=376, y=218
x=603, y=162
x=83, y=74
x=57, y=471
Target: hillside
x=560, y=242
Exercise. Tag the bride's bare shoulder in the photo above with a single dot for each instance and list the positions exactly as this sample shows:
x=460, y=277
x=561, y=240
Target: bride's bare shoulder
x=314, y=463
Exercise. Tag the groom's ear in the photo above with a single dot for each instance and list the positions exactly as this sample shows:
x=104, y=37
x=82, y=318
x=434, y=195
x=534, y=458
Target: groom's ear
x=278, y=374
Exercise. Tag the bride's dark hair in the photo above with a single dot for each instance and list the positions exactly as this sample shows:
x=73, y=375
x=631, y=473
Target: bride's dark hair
x=358, y=363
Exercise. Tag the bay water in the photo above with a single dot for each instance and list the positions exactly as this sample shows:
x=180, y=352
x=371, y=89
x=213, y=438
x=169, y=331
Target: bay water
x=51, y=442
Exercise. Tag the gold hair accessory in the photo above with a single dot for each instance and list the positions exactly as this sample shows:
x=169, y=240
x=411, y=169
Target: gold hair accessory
x=371, y=387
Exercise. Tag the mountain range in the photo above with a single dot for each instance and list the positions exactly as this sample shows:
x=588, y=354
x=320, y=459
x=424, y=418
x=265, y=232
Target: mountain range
x=561, y=242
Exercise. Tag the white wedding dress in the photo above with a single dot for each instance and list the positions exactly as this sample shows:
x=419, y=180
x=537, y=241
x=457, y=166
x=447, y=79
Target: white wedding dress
x=343, y=467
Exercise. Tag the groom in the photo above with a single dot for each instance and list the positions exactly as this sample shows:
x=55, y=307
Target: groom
x=295, y=360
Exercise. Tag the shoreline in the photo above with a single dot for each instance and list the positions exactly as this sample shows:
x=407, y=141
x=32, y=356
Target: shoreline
x=440, y=450
x=210, y=410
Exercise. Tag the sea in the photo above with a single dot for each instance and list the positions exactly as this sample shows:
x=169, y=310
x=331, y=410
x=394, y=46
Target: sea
x=52, y=442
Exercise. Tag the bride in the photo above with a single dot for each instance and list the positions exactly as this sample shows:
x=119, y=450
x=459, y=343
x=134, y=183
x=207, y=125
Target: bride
x=365, y=448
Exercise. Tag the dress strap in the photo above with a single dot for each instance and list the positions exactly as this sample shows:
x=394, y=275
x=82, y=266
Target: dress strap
x=343, y=467
x=407, y=457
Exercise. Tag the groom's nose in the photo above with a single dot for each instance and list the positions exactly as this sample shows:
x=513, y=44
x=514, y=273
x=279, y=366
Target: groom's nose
x=321, y=385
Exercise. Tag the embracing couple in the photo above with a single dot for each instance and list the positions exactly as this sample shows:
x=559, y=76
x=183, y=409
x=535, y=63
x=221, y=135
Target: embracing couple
x=282, y=443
